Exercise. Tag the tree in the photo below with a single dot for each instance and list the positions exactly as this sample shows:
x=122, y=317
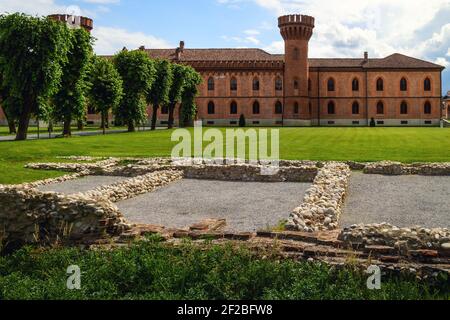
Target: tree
x=190, y=91
x=70, y=101
x=159, y=93
x=33, y=51
x=6, y=102
x=179, y=73
x=137, y=73
x=105, y=92
x=242, y=122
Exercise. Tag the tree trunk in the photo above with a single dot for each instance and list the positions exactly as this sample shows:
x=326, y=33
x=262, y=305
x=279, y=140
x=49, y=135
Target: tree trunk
x=80, y=125
x=24, y=119
x=67, y=126
x=171, y=116
x=154, y=116
x=104, y=121
x=131, y=127
x=107, y=120
x=12, y=126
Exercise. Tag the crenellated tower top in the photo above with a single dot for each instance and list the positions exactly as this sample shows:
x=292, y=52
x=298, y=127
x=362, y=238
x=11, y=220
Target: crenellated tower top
x=296, y=27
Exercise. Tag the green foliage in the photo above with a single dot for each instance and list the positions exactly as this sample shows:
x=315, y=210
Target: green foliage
x=70, y=101
x=105, y=87
x=242, y=122
x=33, y=52
x=179, y=73
x=188, y=107
x=138, y=74
x=159, y=93
x=154, y=270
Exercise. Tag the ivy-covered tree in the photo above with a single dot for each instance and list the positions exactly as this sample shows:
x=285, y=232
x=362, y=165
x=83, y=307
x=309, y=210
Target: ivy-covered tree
x=176, y=90
x=70, y=101
x=159, y=93
x=138, y=73
x=190, y=91
x=105, y=92
x=33, y=51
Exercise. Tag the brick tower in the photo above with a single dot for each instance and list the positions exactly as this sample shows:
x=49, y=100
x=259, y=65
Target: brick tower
x=296, y=31
x=74, y=21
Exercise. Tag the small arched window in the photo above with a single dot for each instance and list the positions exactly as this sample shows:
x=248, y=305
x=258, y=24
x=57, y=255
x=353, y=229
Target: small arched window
x=427, y=108
x=380, y=107
x=211, y=108
x=355, y=85
x=296, y=54
x=296, y=85
x=278, y=84
x=256, y=108
x=355, y=107
x=255, y=84
x=427, y=84
x=211, y=85
x=331, y=86
x=403, y=85
x=331, y=108
x=404, y=108
x=380, y=84
x=296, y=108
x=278, y=108
x=233, y=84
x=165, y=109
x=309, y=85
x=310, y=108
x=233, y=108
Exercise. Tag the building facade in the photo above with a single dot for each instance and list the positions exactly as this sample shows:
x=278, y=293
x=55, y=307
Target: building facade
x=296, y=90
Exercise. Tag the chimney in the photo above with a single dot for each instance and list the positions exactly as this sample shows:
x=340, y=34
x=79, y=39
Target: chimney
x=366, y=56
x=181, y=46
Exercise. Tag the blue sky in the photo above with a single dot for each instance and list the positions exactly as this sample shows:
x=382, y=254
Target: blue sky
x=344, y=28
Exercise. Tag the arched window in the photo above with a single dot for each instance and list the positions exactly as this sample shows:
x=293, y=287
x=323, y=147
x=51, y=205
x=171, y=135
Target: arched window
x=233, y=108
x=233, y=84
x=355, y=84
x=331, y=86
x=165, y=109
x=296, y=85
x=309, y=85
x=427, y=84
x=355, y=107
x=256, y=107
x=427, y=108
x=380, y=84
x=296, y=108
x=211, y=108
x=296, y=54
x=278, y=108
x=255, y=84
x=403, y=85
x=404, y=108
x=331, y=108
x=91, y=110
x=278, y=84
x=211, y=84
x=380, y=107
x=310, y=108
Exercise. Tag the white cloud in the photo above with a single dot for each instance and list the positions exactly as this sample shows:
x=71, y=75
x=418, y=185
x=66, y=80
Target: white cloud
x=348, y=28
x=111, y=40
x=442, y=61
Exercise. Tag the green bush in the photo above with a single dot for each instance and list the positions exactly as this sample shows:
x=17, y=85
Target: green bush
x=154, y=270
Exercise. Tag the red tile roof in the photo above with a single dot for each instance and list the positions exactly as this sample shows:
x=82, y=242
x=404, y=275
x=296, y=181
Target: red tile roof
x=394, y=61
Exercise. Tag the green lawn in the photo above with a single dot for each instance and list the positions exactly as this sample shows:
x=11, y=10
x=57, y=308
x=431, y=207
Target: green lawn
x=359, y=144
x=152, y=270
x=4, y=131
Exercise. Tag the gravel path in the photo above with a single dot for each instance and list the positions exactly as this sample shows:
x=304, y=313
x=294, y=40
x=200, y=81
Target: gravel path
x=81, y=185
x=247, y=206
x=403, y=201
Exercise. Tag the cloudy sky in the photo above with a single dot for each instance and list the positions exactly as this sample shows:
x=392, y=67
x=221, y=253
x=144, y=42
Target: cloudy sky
x=344, y=28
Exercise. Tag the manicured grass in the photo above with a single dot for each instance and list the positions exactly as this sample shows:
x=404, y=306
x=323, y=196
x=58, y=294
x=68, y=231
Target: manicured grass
x=152, y=270
x=359, y=144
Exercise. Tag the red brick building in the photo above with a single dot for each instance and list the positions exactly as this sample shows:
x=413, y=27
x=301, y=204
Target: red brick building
x=295, y=90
